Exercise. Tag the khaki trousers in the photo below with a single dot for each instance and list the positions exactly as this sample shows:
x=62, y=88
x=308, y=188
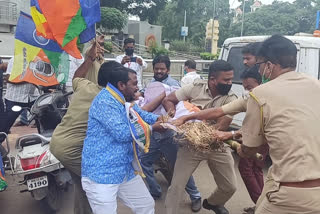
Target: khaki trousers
x=221, y=165
x=287, y=200
x=291, y=200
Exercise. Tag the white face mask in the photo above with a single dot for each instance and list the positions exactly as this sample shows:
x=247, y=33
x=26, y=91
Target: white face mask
x=245, y=94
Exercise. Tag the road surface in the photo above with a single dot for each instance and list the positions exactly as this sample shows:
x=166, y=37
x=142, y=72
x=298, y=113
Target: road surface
x=14, y=202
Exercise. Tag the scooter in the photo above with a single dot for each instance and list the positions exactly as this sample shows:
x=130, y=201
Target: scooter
x=44, y=176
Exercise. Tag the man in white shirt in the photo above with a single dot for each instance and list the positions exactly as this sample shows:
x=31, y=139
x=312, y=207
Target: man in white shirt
x=22, y=94
x=132, y=61
x=190, y=72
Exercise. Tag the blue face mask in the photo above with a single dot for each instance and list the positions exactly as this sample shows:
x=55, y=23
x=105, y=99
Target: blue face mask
x=185, y=72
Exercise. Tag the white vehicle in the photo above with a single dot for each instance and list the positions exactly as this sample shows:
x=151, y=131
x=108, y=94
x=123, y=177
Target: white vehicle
x=308, y=60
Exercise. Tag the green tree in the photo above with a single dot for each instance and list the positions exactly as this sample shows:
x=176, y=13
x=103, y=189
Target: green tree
x=279, y=18
x=112, y=18
x=147, y=10
x=198, y=14
x=247, y=6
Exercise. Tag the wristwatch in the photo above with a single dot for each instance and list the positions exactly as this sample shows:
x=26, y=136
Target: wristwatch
x=233, y=135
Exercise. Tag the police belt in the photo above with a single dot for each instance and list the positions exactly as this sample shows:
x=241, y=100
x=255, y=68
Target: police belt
x=302, y=184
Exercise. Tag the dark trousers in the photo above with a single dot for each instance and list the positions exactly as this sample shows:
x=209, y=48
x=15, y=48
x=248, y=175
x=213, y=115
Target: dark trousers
x=252, y=174
x=8, y=117
x=1, y=105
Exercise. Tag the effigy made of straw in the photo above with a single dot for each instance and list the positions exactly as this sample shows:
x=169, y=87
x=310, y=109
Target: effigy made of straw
x=199, y=136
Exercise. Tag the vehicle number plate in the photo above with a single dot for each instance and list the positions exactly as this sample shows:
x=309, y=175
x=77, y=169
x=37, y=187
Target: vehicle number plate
x=37, y=183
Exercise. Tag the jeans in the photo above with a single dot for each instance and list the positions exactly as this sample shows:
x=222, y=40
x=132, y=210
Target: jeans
x=163, y=142
x=9, y=116
x=24, y=117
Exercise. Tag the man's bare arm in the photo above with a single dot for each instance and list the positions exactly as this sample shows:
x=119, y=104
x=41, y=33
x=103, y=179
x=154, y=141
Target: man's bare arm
x=206, y=114
x=223, y=123
x=82, y=71
x=247, y=152
x=150, y=107
x=169, y=103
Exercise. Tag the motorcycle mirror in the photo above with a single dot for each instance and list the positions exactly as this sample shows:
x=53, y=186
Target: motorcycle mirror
x=16, y=108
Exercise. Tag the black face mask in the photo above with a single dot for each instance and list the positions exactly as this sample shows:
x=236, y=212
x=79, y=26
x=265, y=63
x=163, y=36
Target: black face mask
x=223, y=89
x=129, y=51
x=161, y=78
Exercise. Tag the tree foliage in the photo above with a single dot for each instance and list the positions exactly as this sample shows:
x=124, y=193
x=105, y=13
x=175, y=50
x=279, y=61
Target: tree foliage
x=279, y=18
x=146, y=10
x=198, y=14
x=112, y=18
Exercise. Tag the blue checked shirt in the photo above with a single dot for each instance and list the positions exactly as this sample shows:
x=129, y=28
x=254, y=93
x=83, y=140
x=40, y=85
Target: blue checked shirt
x=107, y=151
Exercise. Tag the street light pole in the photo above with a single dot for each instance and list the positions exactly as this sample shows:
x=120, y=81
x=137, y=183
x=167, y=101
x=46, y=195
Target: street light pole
x=244, y=3
x=184, y=23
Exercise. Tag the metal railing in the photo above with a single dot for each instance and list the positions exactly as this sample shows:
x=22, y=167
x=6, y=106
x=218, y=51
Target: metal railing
x=8, y=13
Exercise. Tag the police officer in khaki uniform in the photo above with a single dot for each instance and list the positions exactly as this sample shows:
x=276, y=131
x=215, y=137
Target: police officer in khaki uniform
x=251, y=170
x=205, y=94
x=288, y=110
x=251, y=78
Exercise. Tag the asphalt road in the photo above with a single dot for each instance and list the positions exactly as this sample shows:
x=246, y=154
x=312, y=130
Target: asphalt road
x=14, y=202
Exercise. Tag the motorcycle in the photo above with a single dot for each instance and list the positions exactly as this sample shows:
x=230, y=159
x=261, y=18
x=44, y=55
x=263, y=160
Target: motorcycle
x=44, y=176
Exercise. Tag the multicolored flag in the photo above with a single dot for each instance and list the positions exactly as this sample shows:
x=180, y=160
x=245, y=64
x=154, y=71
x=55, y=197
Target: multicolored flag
x=66, y=21
x=37, y=60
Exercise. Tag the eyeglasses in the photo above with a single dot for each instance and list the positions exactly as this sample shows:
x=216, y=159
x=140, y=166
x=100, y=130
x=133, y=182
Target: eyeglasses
x=259, y=63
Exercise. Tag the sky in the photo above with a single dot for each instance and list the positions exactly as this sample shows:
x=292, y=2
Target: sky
x=235, y=3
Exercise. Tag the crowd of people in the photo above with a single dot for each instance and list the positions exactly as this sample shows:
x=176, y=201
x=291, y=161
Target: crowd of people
x=99, y=138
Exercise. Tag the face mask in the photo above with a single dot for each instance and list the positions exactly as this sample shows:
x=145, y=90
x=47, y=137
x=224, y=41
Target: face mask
x=265, y=79
x=161, y=78
x=129, y=51
x=223, y=89
x=185, y=72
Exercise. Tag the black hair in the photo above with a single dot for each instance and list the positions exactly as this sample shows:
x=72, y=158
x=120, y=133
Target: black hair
x=190, y=64
x=279, y=50
x=113, y=72
x=251, y=48
x=252, y=72
x=162, y=59
x=219, y=66
x=128, y=41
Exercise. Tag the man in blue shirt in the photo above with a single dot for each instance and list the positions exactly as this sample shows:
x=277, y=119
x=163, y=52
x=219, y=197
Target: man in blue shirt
x=163, y=142
x=109, y=151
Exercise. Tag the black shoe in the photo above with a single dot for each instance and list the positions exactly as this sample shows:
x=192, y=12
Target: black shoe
x=196, y=205
x=218, y=209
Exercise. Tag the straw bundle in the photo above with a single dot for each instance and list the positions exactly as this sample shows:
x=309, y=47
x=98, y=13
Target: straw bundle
x=199, y=136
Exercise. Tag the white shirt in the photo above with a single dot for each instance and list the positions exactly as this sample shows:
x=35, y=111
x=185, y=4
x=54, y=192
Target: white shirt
x=74, y=65
x=134, y=66
x=21, y=92
x=189, y=78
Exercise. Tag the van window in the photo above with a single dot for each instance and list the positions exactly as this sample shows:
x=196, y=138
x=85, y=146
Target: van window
x=235, y=59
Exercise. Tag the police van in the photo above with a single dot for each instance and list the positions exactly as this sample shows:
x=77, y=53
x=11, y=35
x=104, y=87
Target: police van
x=308, y=60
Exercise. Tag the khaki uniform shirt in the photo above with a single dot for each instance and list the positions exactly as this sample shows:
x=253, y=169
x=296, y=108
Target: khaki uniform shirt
x=237, y=106
x=198, y=93
x=67, y=140
x=291, y=115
